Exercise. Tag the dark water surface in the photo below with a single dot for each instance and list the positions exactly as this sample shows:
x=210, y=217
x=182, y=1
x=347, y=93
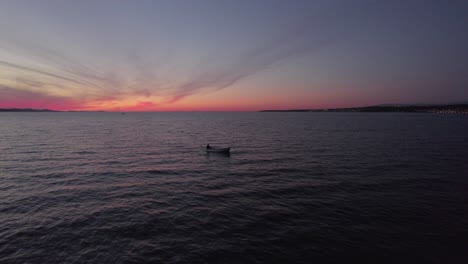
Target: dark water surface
x=297, y=188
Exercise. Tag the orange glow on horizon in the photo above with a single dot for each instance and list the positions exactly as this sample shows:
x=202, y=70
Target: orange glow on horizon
x=255, y=99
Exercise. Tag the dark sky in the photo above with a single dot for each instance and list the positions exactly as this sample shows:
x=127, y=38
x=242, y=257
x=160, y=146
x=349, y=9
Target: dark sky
x=231, y=55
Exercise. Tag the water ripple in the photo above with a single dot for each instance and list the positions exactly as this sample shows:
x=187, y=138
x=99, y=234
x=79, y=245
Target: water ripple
x=297, y=188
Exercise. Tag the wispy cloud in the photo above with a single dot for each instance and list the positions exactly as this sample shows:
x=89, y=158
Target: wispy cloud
x=306, y=36
x=55, y=68
x=251, y=63
x=15, y=98
x=45, y=73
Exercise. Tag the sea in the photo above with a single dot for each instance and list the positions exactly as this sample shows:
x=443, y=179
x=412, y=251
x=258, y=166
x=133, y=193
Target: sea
x=297, y=187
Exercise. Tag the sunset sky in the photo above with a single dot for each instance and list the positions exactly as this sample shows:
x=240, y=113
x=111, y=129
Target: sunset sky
x=243, y=55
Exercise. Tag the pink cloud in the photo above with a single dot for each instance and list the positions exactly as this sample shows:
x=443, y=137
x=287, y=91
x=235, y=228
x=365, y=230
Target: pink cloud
x=14, y=98
x=140, y=107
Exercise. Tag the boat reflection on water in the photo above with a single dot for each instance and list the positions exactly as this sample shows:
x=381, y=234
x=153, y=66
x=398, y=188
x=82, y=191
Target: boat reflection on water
x=218, y=151
x=218, y=154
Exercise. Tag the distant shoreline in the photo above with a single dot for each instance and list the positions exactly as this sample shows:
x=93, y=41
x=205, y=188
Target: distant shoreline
x=25, y=110
x=42, y=110
x=449, y=109
x=445, y=109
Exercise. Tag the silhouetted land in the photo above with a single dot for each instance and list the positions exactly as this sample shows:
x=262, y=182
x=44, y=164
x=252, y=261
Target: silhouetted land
x=42, y=110
x=25, y=110
x=452, y=108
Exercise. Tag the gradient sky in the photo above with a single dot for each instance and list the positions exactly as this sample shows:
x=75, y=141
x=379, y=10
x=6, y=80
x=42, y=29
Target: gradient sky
x=184, y=55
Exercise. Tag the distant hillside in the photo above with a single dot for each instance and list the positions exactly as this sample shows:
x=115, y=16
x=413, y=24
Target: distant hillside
x=453, y=108
x=24, y=110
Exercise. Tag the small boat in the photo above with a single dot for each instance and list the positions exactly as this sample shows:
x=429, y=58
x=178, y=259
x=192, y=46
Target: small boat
x=218, y=150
